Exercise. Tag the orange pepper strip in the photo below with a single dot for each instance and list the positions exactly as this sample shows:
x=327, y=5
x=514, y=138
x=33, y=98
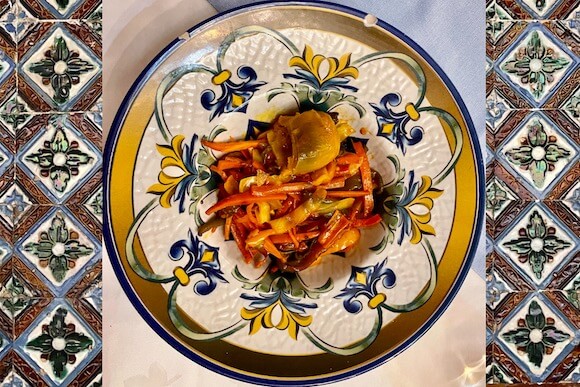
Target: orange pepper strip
x=227, y=227
x=233, y=146
x=286, y=238
x=219, y=172
x=346, y=194
x=292, y=233
x=367, y=180
x=242, y=199
x=270, y=189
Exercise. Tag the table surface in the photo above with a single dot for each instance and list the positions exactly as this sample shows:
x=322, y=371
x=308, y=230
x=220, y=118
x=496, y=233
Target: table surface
x=135, y=356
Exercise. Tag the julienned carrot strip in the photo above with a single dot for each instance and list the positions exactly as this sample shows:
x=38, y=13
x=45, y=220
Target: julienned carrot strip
x=348, y=158
x=334, y=184
x=355, y=210
x=346, y=194
x=271, y=248
x=292, y=234
x=282, y=188
x=231, y=164
x=367, y=179
x=242, y=199
x=233, y=146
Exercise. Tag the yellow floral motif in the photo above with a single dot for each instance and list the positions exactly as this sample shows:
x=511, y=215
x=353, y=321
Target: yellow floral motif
x=262, y=317
x=337, y=68
x=420, y=221
x=168, y=184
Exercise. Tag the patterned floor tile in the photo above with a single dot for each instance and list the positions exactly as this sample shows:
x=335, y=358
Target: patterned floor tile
x=60, y=154
x=538, y=152
x=536, y=336
x=540, y=9
x=59, y=67
x=60, y=249
x=535, y=63
x=59, y=344
x=61, y=9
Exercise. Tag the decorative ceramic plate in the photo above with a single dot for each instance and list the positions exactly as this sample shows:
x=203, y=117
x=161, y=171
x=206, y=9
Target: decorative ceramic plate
x=229, y=78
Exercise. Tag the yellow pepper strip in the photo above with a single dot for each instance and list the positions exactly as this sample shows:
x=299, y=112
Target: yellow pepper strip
x=327, y=208
x=263, y=212
x=231, y=185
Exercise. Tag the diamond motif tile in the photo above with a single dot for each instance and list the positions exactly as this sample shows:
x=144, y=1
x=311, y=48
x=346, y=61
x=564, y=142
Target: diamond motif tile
x=60, y=67
x=572, y=107
x=538, y=152
x=94, y=204
x=14, y=113
x=498, y=109
x=59, y=248
x=497, y=21
x=496, y=289
x=60, y=158
x=536, y=63
x=535, y=336
x=536, y=244
x=15, y=204
x=61, y=9
x=498, y=197
x=572, y=200
x=47, y=344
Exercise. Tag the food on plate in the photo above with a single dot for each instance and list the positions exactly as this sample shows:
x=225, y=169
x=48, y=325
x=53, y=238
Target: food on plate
x=298, y=192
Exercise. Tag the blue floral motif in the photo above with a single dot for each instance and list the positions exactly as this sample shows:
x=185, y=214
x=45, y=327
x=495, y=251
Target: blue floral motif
x=15, y=205
x=495, y=111
x=393, y=125
x=234, y=96
x=363, y=282
x=203, y=259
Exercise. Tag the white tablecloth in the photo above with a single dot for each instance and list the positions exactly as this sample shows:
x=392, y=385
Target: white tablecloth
x=451, y=353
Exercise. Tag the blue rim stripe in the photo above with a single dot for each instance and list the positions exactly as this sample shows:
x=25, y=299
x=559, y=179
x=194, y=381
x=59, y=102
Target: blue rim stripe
x=126, y=285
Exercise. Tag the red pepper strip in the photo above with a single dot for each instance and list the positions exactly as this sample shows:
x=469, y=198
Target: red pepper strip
x=233, y=146
x=242, y=199
x=355, y=210
x=334, y=184
x=367, y=179
x=346, y=194
x=271, y=248
x=335, y=225
x=285, y=238
x=348, y=158
x=270, y=189
x=219, y=172
x=368, y=222
x=238, y=237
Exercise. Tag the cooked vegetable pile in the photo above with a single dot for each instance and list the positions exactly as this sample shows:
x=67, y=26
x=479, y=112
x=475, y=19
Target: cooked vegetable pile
x=298, y=192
